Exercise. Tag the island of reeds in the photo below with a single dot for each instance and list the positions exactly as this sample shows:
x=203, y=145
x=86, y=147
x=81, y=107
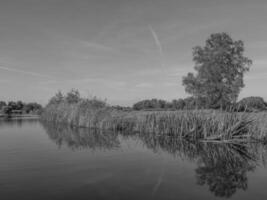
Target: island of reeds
x=211, y=113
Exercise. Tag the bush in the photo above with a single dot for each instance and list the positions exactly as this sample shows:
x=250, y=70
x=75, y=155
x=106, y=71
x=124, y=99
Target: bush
x=251, y=104
x=73, y=96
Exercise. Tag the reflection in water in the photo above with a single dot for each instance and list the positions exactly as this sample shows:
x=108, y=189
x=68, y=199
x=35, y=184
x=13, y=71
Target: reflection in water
x=17, y=122
x=78, y=138
x=222, y=167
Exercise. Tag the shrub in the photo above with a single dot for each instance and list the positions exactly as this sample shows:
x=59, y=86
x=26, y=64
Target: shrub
x=251, y=104
x=73, y=96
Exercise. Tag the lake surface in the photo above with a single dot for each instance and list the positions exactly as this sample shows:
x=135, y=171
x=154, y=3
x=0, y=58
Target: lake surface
x=43, y=161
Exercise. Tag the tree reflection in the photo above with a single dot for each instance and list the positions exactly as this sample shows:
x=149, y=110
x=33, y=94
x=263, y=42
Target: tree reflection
x=222, y=167
x=79, y=138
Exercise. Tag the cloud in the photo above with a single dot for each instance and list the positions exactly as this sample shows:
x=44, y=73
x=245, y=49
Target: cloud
x=144, y=85
x=260, y=62
x=97, y=46
x=256, y=76
x=158, y=44
x=101, y=80
x=258, y=44
x=31, y=73
x=170, y=84
x=170, y=71
x=180, y=72
x=114, y=84
x=4, y=81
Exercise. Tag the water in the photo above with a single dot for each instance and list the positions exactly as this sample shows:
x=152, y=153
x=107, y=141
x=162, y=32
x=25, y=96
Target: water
x=42, y=161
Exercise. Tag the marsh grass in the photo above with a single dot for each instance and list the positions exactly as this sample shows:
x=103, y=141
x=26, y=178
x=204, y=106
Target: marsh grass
x=190, y=125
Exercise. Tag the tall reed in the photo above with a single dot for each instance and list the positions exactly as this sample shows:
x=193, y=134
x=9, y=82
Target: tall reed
x=190, y=125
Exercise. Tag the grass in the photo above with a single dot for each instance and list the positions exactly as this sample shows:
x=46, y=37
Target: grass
x=190, y=125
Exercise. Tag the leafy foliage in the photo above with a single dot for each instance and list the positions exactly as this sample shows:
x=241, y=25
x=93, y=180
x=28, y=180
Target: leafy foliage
x=220, y=67
x=151, y=104
x=251, y=104
x=73, y=96
x=57, y=98
x=32, y=108
x=188, y=103
x=2, y=104
x=20, y=107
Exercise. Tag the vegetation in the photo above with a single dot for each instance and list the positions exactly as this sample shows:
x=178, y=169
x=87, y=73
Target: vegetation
x=76, y=111
x=248, y=104
x=220, y=67
x=20, y=107
x=251, y=104
x=189, y=125
x=188, y=103
x=2, y=104
x=152, y=104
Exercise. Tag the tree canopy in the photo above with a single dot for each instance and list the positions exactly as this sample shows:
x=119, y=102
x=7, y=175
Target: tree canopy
x=220, y=66
x=12, y=106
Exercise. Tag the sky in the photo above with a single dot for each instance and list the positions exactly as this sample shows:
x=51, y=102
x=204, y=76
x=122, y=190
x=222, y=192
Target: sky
x=120, y=50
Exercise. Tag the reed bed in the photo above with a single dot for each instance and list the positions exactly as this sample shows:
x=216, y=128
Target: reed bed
x=190, y=125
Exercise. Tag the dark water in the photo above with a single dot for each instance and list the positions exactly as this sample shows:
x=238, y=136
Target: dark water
x=42, y=161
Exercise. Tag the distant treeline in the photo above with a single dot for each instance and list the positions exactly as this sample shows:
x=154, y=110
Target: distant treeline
x=74, y=97
x=20, y=107
x=77, y=111
x=248, y=104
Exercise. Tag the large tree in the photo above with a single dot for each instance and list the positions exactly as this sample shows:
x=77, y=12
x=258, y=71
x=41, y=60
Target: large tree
x=220, y=66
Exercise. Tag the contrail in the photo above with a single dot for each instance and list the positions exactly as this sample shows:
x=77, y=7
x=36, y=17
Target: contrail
x=158, y=44
x=159, y=181
x=25, y=72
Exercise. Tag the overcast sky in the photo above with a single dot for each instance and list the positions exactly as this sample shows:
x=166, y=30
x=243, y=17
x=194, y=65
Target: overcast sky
x=122, y=50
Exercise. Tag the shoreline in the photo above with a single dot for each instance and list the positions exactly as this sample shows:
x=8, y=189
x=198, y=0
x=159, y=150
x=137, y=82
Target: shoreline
x=193, y=125
x=14, y=117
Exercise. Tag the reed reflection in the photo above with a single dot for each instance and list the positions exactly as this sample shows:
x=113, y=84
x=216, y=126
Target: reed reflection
x=17, y=122
x=80, y=138
x=222, y=167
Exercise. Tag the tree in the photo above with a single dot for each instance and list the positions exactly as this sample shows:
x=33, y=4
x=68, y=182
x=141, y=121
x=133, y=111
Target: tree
x=19, y=105
x=32, y=108
x=73, y=96
x=58, y=98
x=152, y=104
x=178, y=104
x=7, y=110
x=12, y=105
x=220, y=67
x=251, y=104
x=2, y=104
